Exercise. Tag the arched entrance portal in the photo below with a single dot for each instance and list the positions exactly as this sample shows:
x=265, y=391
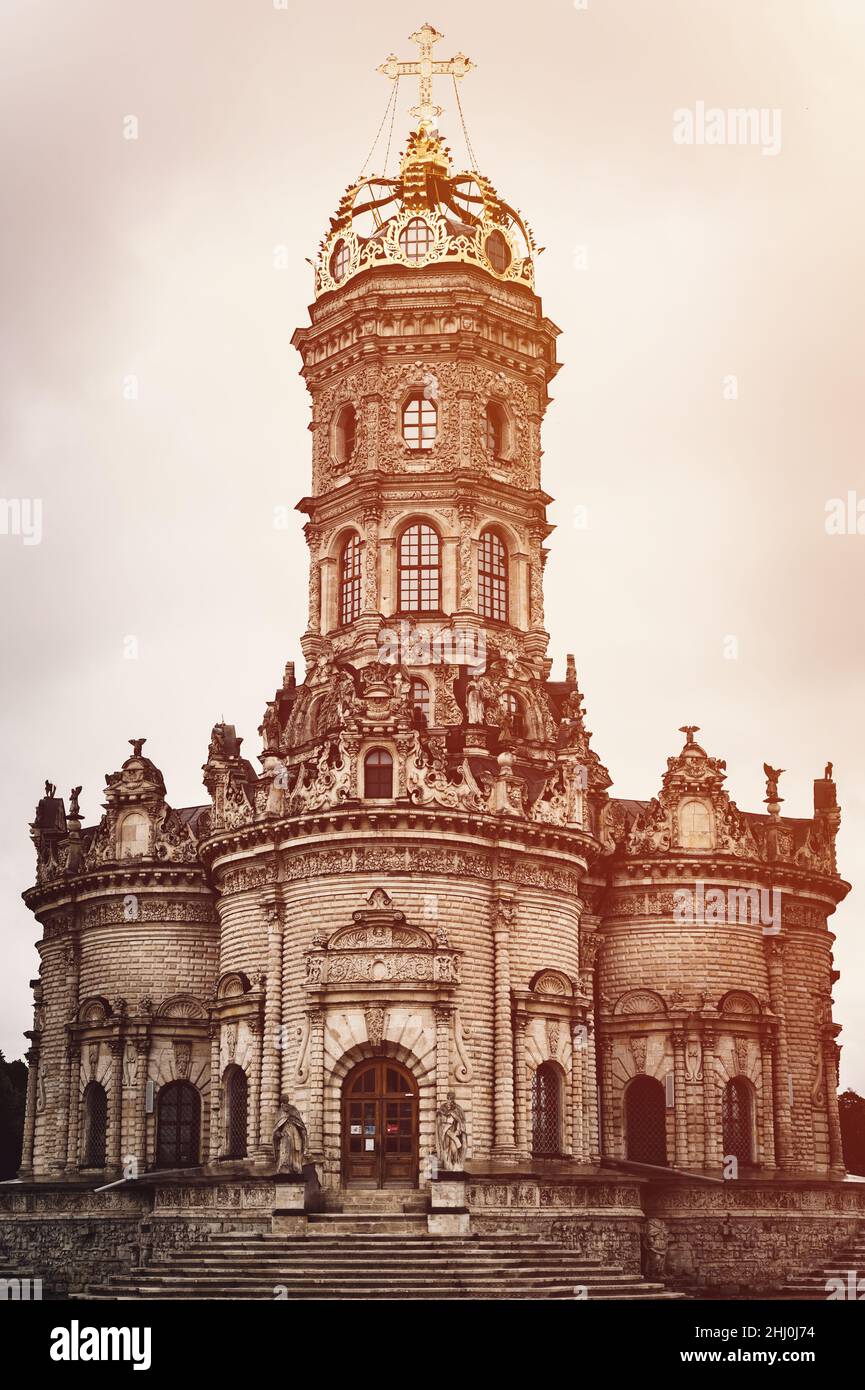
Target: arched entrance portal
x=379, y=1126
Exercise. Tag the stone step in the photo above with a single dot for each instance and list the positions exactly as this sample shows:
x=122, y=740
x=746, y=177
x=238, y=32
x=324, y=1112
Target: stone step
x=563, y=1289
x=377, y=1296
x=335, y=1265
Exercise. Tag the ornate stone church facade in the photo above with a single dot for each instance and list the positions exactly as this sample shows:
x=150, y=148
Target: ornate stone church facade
x=423, y=883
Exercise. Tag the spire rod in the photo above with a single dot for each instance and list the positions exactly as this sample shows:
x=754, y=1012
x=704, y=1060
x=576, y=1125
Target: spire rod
x=425, y=68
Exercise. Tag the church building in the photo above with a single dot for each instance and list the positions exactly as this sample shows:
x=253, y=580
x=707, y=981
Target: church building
x=418, y=895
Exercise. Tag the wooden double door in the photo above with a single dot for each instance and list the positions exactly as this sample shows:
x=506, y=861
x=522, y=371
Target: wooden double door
x=379, y=1126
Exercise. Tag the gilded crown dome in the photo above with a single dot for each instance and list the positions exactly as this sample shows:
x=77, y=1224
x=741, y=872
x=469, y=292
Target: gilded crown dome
x=428, y=213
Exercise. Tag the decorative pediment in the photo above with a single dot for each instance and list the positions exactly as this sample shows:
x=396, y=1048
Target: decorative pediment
x=233, y=985
x=381, y=947
x=94, y=1011
x=181, y=1006
x=378, y=934
x=640, y=1001
x=554, y=983
x=739, y=1002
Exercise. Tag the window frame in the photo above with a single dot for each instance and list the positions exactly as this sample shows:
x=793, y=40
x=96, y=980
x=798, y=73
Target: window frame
x=350, y=589
x=381, y=752
x=410, y=591
x=493, y=586
x=414, y=431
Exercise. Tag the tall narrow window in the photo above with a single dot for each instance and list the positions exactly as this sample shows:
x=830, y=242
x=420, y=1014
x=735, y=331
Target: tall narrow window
x=235, y=1085
x=378, y=774
x=737, y=1125
x=547, y=1110
x=419, y=422
x=134, y=835
x=513, y=715
x=95, y=1125
x=346, y=435
x=496, y=431
x=421, y=705
x=178, y=1126
x=349, y=580
x=645, y=1121
x=419, y=570
x=492, y=577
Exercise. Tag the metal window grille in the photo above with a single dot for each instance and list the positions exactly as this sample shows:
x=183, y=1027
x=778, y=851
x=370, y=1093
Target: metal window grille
x=492, y=578
x=737, y=1120
x=645, y=1121
x=546, y=1111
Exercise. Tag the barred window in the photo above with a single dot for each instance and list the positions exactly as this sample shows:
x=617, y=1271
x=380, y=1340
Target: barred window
x=415, y=239
x=419, y=569
x=547, y=1110
x=95, y=1125
x=646, y=1121
x=349, y=580
x=419, y=422
x=737, y=1122
x=493, y=577
x=235, y=1085
x=378, y=774
x=178, y=1126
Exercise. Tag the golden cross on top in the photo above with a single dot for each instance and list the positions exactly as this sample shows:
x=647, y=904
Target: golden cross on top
x=426, y=68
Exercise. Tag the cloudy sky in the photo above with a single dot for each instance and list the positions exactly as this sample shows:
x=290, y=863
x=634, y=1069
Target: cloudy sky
x=670, y=269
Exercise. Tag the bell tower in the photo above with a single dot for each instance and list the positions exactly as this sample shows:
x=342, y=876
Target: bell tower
x=428, y=360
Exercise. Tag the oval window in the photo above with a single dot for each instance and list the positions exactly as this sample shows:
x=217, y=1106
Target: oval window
x=339, y=261
x=498, y=252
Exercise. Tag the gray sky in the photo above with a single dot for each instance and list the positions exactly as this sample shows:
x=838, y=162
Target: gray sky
x=155, y=257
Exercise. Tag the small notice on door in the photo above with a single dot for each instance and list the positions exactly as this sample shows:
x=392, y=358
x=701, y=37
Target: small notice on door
x=369, y=1145
x=355, y=1129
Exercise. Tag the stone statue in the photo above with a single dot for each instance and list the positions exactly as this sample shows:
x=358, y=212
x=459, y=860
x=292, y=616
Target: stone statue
x=828, y=772
x=73, y=803
x=474, y=702
x=655, y=1242
x=451, y=1132
x=50, y=789
x=772, y=775
x=289, y=1139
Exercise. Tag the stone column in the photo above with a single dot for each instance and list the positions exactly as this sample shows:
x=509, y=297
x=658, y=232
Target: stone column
x=774, y=947
x=712, y=1139
x=115, y=1155
x=32, y=1058
x=608, y=1134
x=315, y=1089
x=465, y=588
x=71, y=957
x=138, y=1142
x=74, y=1082
x=254, y=1026
x=215, y=1145
x=369, y=599
x=680, y=1112
x=831, y=1058
x=521, y=1090
x=314, y=579
x=504, y=1144
x=578, y=1055
x=271, y=1070
x=590, y=1091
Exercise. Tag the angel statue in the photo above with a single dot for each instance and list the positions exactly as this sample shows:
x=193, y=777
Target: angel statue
x=772, y=775
x=451, y=1132
x=289, y=1138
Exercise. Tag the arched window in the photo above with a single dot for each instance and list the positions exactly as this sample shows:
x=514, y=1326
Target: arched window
x=695, y=825
x=421, y=703
x=645, y=1121
x=419, y=570
x=496, y=431
x=512, y=714
x=378, y=774
x=547, y=1110
x=419, y=422
x=415, y=239
x=340, y=261
x=178, y=1126
x=493, y=577
x=235, y=1089
x=345, y=435
x=95, y=1125
x=349, y=580
x=737, y=1120
x=134, y=835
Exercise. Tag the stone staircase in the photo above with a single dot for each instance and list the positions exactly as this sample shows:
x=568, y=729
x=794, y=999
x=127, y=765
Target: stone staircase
x=381, y=1260
x=848, y=1266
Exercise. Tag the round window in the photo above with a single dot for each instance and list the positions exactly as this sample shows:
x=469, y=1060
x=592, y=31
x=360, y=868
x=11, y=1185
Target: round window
x=339, y=261
x=416, y=239
x=498, y=252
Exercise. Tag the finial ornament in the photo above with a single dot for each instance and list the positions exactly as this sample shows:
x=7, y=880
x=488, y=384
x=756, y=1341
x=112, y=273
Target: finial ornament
x=426, y=68
x=137, y=745
x=772, y=775
x=689, y=730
